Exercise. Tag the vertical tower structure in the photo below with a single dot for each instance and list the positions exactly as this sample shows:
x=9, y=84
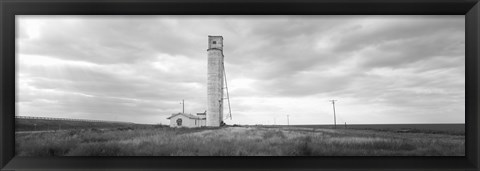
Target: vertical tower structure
x=215, y=81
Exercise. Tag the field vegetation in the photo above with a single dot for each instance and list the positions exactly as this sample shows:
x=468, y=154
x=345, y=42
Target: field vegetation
x=238, y=141
x=51, y=125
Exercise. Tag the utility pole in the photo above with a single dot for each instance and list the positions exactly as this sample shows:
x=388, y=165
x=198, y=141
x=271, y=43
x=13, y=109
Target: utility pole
x=334, y=115
x=183, y=106
x=288, y=120
x=274, y=121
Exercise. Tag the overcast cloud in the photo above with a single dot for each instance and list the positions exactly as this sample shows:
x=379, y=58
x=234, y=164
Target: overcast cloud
x=381, y=69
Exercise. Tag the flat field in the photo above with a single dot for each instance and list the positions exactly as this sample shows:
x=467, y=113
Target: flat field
x=27, y=125
x=241, y=141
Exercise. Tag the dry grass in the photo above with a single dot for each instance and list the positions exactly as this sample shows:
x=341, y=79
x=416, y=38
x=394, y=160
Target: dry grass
x=238, y=141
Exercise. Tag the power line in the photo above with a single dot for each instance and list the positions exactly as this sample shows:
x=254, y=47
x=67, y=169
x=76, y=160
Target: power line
x=288, y=120
x=183, y=105
x=334, y=115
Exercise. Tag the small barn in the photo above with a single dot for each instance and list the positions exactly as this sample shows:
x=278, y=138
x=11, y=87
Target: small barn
x=188, y=120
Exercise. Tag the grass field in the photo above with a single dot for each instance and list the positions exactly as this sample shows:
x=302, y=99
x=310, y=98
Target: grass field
x=457, y=129
x=45, y=125
x=240, y=141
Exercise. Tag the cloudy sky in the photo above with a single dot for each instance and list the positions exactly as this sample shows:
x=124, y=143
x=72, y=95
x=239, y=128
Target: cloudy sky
x=381, y=69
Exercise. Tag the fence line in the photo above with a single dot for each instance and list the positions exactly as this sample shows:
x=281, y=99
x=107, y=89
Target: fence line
x=68, y=119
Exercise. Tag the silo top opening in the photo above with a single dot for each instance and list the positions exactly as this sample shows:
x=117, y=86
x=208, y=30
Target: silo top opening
x=215, y=42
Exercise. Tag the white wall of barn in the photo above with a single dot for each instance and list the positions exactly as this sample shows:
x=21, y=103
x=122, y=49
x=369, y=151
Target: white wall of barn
x=186, y=122
x=202, y=122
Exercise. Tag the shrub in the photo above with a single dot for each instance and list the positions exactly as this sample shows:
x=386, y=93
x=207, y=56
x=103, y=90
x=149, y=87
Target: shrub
x=303, y=147
x=46, y=145
x=273, y=133
x=101, y=149
x=160, y=126
x=124, y=128
x=73, y=132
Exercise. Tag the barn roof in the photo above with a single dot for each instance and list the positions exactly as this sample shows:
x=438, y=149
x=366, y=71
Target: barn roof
x=186, y=115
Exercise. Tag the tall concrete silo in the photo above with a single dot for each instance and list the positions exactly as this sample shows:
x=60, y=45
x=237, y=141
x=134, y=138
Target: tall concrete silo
x=215, y=81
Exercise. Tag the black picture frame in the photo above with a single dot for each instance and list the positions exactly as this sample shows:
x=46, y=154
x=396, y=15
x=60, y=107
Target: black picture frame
x=10, y=8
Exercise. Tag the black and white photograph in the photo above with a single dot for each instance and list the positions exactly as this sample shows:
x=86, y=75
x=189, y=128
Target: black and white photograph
x=240, y=85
